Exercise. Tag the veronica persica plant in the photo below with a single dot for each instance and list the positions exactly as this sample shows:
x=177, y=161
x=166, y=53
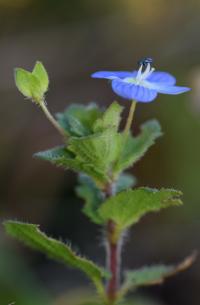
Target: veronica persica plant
x=95, y=148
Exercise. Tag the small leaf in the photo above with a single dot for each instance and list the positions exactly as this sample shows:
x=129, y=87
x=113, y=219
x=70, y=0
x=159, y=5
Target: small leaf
x=40, y=72
x=155, y=274
x=93, y=197
x=32, y=84
x=23, y=80
x=124, y=182
x=78, y=120
x=127, y=207
x=110, y=118
x=34, y=238
x=28, y=84
x=135, y=147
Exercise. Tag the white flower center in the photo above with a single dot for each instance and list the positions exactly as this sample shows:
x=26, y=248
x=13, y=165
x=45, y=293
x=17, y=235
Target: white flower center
x=141, y=76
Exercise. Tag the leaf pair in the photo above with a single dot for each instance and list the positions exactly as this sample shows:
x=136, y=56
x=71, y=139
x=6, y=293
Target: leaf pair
x=32, y=85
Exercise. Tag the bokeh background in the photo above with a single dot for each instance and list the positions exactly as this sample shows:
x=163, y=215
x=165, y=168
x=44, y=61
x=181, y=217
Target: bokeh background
x=74, y=39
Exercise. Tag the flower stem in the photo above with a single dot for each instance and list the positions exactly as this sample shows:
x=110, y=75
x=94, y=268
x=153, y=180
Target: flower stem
x=130, y=118
x=52, y=120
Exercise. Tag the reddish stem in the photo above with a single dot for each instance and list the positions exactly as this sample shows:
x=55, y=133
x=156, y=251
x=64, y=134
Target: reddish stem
x=113, y=262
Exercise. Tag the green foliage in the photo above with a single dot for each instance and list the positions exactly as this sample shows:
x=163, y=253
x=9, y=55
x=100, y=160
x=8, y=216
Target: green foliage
x=149, y=275
x=153, y=275
x=127, y=207
x=40, y=72
x=92, y=155
x=81, y=120
x=124, y=182
x=34, y=238
x=110, y=119
x=78, y=120
x=133, y=148
x=98, y=150
x=32, y=85
x=93, y=197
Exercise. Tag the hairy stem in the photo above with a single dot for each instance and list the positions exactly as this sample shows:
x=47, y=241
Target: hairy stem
x=52, y=120
x=113, y=262
x=130, y=118
x=113, y=254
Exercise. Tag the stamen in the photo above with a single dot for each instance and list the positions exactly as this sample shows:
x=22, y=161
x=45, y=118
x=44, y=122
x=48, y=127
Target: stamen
x=146, y=72
x=139, y=72
x=142, y=76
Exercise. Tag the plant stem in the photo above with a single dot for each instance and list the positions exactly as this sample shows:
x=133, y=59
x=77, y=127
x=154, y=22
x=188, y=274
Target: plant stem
x=130, y=118
x=113, y=262
x=52, y=120
x=113, y=253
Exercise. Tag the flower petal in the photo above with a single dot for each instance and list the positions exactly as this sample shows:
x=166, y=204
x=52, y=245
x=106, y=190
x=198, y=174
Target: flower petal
x=162, y=77
x=112, y=74
x=133, y=92
x=172, y=89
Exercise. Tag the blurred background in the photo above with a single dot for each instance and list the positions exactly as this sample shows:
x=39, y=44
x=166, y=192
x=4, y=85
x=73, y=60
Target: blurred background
x=74, y=39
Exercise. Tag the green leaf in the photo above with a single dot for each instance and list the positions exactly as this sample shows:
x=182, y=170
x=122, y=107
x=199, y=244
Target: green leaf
x=40, y=72
x=124, y=182
x=93, y=197
x=28, y=84
x=135, y=147
x=98, y=152
x=34, y=238
x=63, y=157
x=78, y=120
x=110, y=118
x=153, y=275
x=127, y=207
x=93, y=155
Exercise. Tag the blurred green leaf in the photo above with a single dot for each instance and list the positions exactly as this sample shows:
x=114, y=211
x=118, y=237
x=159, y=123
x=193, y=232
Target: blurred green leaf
x=110, y=118
x=93, y=197
x=135, y=147
x=124, y=182
x=34, y=238
x=40, y=72
x=78, y=120
x=126, y=208
x=153, y=275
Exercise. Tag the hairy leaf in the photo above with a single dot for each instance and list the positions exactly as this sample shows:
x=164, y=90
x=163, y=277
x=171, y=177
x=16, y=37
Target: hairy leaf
x=93, y=197
x=98, y=151
x=78, y=120
x=135, y=147
x=155, y=274
x=110, y=118
x=61, y=156
x=34, y=238
x=127, y=207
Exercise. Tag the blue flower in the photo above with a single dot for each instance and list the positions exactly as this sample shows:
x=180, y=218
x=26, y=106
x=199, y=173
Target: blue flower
x=141, y=86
